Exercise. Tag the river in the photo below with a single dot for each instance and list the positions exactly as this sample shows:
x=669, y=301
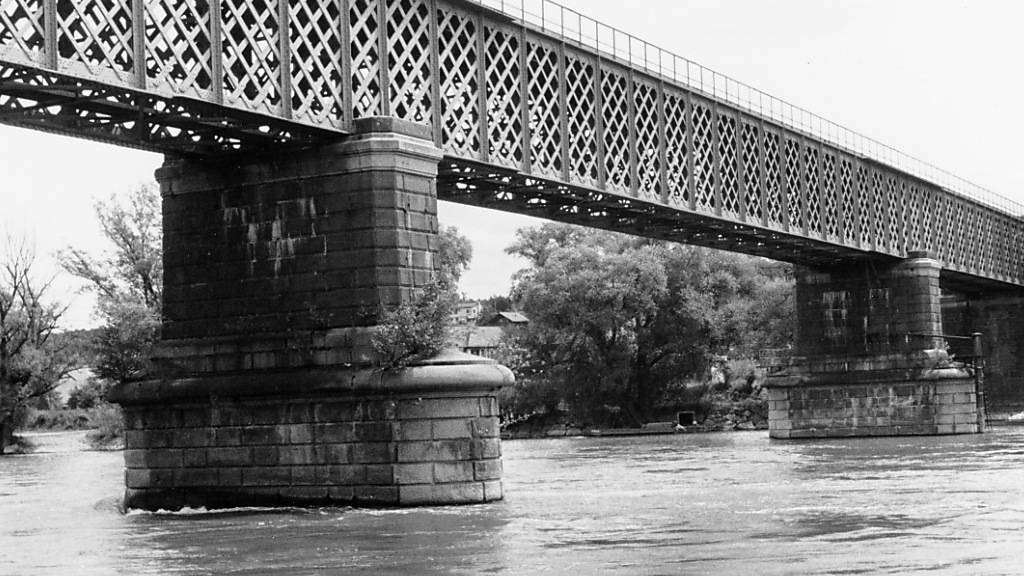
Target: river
x=720, y=504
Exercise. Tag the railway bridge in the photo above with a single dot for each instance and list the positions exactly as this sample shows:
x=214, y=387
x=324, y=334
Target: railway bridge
x=307, y=141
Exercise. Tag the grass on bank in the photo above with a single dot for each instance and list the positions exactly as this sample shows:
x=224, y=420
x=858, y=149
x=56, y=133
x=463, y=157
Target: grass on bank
x=106, y=429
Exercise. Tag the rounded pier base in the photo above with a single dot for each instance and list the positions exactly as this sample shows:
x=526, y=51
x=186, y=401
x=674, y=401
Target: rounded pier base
x=424, y=435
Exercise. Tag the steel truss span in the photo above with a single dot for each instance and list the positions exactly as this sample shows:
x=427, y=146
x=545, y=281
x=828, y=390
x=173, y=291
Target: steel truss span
x=529, y=119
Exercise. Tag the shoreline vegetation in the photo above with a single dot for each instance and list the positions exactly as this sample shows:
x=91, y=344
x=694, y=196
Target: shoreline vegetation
x=103, y=423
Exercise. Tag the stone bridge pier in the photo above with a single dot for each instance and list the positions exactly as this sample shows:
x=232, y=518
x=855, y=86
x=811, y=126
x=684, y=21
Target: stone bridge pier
x=870, y=359
x=265, y=390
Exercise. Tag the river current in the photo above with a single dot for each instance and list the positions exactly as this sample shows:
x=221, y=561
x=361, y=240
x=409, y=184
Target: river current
x=721, y=504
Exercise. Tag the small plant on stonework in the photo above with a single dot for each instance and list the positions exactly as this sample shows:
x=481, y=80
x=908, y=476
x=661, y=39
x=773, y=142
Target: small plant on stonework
x=416, y=329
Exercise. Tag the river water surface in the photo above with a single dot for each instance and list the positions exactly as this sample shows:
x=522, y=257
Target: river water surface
x=720, y=504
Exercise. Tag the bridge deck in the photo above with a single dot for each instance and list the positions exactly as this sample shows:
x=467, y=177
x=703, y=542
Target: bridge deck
x=571, y=125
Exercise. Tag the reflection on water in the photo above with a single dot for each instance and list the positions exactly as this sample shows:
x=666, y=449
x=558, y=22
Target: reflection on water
x=721, y=503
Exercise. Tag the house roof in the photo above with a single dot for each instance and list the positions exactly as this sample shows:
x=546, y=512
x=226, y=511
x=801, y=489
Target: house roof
x=484, y=337
x=509, y=317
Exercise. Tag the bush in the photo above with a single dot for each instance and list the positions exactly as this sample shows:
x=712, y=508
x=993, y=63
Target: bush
x=87, y=395
x=76, y=419
x=741, y=376
x=415, y=330
x=108, y=426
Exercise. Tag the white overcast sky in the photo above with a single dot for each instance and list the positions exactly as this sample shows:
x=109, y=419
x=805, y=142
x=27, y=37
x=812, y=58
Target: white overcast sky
x=942, y=80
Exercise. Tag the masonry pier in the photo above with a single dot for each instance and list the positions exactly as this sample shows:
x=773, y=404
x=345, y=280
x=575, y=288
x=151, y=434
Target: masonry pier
x=265, y=389
x=870, y=357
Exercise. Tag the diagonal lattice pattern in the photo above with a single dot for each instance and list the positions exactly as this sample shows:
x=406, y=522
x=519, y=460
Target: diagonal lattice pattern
x=848, y=193
x=504, y=97
x=703, y=156
x=364, y=46
x=752, y=179
x=316, y=68
x=648, y=141
x=812, y=189
x=912, y=210
x=251, y=48
x=728, y=178
x=96, y=37
x=773, y=175
x=22, y=36
x=615, y=102
x=829, y=196
x=796, y=197
x=459, y=71
x=545, y=110
x=581, y=109
x=178, y=46
x=677, y=148
x=409, y=70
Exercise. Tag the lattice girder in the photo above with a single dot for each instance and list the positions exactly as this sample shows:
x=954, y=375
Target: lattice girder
x=230, y=76
x=544, y=86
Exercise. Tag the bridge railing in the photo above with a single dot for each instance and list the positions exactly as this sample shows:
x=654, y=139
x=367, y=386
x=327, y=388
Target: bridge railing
x=573, y=26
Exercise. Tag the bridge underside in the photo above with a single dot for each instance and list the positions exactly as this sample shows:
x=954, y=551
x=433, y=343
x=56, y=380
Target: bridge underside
x=37, y=99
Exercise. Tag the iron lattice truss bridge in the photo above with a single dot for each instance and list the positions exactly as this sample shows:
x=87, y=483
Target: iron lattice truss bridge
x=538, y=110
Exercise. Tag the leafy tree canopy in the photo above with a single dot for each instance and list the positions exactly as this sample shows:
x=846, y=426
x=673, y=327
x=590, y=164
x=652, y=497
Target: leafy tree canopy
x=33, y=359
x=128, y=283
x=616, y=319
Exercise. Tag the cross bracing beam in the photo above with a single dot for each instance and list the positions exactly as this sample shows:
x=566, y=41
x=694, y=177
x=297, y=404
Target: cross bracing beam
x=556, y=104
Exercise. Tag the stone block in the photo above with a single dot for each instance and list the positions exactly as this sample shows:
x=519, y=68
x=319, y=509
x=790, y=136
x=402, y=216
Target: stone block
x=194, y=437
x=452, y=428
x=483, y=449
x=306, y=493
x=493, y=491
x=334, y=412
x=454, y=471
x=346, y=474
x=334, y=453
x=265, y=455
x=193, y=457
x=228, y=436
x=235, y=456
x=378, y=474
x=169, y=458
x=375, y=495
x=138, y=478
x=413, y=430
x=304, y=475
x=373, y=452
x=341, y=494
x=297, y=455
x=372, y=432
x=151, y=438
x=336, y=433
x=487, y=427
x=300, y=433
x=438, y=408
x=267, y=476
x=422, y=473
x=487, y=470
x=423, y=451
x=199, y=477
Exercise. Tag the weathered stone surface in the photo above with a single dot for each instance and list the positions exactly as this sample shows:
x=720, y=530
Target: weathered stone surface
x=275, y=270
x=869, y=359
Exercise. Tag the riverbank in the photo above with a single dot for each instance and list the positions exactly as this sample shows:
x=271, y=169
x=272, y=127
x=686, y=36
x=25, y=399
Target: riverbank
x=101, y=427
x=719, y=415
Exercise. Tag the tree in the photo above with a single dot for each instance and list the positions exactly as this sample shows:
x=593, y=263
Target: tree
x=32, y=359
x=128, y=283
x=615, y=319
x=419, y=328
